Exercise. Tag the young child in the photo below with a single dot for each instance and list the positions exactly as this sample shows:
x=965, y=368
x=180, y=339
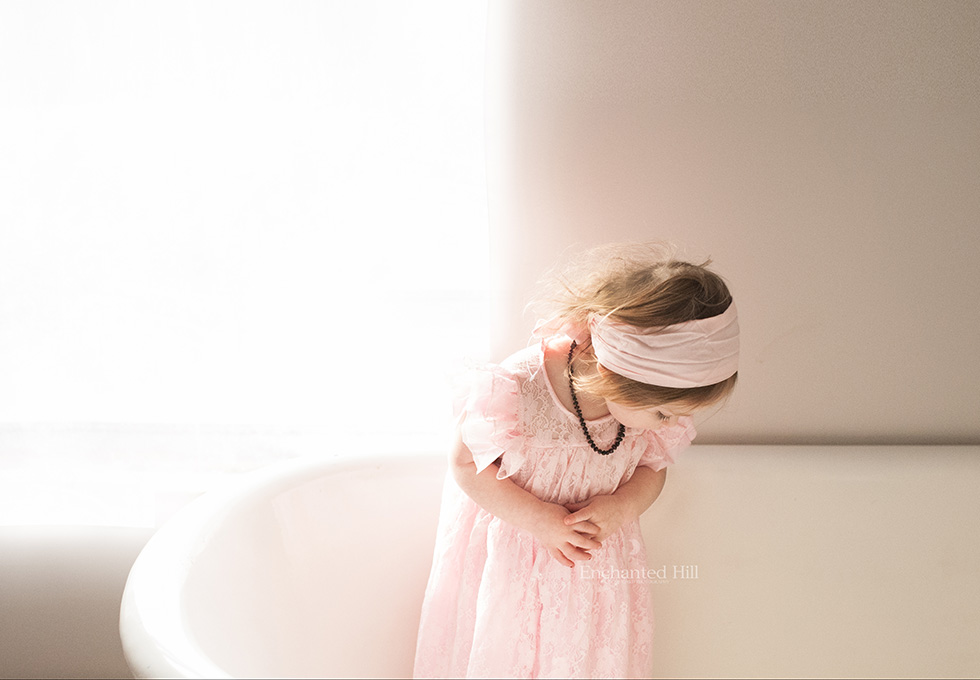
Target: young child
x=559, y=450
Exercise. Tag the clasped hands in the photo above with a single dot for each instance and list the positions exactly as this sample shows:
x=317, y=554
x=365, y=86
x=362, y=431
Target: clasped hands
x=571, y=531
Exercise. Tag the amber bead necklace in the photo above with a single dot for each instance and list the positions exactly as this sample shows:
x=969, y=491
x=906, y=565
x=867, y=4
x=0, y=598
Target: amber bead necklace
x=581, y=419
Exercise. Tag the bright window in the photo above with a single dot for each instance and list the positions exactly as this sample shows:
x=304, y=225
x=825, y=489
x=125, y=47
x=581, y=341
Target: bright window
x=231, y=232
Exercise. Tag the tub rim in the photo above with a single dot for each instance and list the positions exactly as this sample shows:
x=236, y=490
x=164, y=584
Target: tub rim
x=155, y=642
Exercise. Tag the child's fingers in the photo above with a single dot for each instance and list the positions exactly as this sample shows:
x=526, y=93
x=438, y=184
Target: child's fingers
x=584, y=542
x=587, y=528
x=572, y=507
x=560, y=557
x=578, y=516
x=572, y=552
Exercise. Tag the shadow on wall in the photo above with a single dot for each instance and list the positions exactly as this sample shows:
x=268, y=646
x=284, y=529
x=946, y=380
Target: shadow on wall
x=60, y=590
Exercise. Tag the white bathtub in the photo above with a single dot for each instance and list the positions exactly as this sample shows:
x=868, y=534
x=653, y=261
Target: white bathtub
x=776, y=561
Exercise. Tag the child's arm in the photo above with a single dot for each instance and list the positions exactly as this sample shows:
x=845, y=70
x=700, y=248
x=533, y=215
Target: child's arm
x=506, y=500
x=625, y=504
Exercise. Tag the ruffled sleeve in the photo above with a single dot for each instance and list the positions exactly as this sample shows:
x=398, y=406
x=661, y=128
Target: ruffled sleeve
x=664, y=444
x=488, y=405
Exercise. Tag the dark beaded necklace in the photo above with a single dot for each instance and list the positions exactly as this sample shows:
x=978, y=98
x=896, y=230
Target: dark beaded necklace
x=581, y=419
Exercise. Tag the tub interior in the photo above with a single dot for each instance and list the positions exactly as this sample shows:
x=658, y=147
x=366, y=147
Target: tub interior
x=317, y=575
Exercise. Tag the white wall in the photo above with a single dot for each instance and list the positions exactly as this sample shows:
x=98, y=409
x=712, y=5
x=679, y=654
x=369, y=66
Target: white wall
x=825, y=155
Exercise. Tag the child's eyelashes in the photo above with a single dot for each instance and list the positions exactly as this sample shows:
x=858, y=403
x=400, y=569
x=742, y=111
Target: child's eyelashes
x=662, y=416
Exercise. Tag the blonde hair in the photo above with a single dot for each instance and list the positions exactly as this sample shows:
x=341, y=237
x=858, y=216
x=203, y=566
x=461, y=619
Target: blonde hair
x=644, y=285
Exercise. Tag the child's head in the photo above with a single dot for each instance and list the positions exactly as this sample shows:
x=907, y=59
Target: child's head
x=637, y=287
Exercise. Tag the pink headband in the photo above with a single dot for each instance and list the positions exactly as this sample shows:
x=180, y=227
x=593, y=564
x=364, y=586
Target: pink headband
x=689, y=354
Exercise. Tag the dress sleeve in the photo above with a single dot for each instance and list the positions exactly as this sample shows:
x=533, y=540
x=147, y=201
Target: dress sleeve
x=487, y=406
x=664, y=444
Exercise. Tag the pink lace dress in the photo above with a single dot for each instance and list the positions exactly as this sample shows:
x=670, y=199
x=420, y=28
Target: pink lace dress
x=497, y=604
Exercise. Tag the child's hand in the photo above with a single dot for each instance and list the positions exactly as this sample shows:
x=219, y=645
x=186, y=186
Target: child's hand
x=608, y=513
x=566, y=544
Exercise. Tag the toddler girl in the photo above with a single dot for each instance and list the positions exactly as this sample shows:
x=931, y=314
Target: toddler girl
x=559, y=450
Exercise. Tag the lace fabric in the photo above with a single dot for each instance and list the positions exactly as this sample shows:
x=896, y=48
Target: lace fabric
x=497, y=604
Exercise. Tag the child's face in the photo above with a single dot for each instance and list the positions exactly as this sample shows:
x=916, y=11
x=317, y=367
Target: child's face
x=652, y=418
